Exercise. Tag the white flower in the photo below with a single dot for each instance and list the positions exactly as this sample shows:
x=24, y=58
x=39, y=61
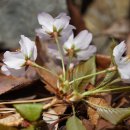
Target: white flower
x=79, y=46
x=50, y=25
x=15, y=62
x=123, y=63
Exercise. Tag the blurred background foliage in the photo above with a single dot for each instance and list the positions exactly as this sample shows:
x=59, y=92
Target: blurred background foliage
x=106, y=19
x=20, y=17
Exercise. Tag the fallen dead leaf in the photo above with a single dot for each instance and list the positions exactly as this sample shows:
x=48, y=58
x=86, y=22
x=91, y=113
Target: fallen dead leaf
x=60, y=108
x=88, y=124
x=9, y=83
x=102, y=61
x=12, y=120
x=44, y=60
x=102, y=125
x=98, y=100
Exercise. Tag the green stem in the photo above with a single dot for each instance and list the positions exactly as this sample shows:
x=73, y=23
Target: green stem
x=89, y=76
x=33, y=64
x=113, y=89
x=62, y=61
x=107, y=85
x=92, y=92
x=73, y=109
x=68, y=72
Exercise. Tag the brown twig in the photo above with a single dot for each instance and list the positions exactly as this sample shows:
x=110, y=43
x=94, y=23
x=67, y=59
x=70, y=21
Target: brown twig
x=28, y=101
x=53, y=102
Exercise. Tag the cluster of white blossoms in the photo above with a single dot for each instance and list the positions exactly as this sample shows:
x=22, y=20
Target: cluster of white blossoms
x=75, y=47
x=54, y=26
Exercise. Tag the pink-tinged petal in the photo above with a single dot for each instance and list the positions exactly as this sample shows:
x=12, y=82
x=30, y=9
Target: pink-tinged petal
x=66, y=33
x=83, y=39
x=42, y=34
x=5, y=70
x=14, y=59
x=28, y=48
x=87, y=53
x=46, y=20
x=61, y=15
x=46, y=30
x=118, y=51
x=68, y=44
x=14, y=72
x=54, y=53
x=61, y=23
x=34, y=54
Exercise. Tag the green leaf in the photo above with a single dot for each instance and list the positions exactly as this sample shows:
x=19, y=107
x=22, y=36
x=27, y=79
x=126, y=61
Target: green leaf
x=84, y=68
x=31, y=112
x=113, y=115
x=108, y=78
x=73, y=123
x=29, y=128
x=3, y=127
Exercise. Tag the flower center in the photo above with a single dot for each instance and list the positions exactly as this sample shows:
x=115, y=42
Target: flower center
x=55, y=33
x=70, y=52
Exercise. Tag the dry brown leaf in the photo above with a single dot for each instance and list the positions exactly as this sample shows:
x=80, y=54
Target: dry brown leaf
x=12, y=120
x=88, y=124
x=98, y=100
x=8, y=83
x=60, y=108
x=103, y=124
x=44, y=60
x=102, y=61
x=93, y=115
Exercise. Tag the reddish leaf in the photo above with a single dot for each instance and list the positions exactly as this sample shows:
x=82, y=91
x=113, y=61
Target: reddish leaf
x=8, y=83
x=44, y=60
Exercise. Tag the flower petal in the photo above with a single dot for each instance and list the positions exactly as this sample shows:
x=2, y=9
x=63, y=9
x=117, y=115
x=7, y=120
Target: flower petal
x=68, y=44
x=61, y=15
x=83, y=39
x=62, y=22
x=118, y=51
x=14, y=72
x=46, y=20
x=123, y=63
x=87, y=53
x=28, y=48
x=124, y=70
x=66, y=33
x=5, y=70
x=14, y=59
x=54, y=53
x=42, y=34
